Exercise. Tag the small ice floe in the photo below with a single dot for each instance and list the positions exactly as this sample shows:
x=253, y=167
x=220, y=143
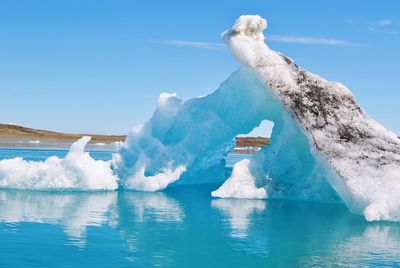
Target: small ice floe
x=249, y=150
x=100, y=144
x=118, y=143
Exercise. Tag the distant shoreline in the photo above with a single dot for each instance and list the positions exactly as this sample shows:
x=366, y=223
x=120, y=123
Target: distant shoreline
x=19, y=136
x=13, y=136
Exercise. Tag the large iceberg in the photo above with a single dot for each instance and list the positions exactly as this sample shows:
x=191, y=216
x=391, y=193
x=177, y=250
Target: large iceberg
x=188, y=140
x=322, y=139
x=186, y=143
x=324, y=147
x=360, y=158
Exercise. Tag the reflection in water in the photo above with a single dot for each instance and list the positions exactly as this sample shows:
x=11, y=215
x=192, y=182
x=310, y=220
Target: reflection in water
x=145, y=218
x=318, y=234
x=153, y=206
x=75, y=212
x=380, y=239
x=239, y=212
x=180, y=227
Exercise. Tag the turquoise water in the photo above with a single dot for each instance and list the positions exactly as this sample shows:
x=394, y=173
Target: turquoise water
x=233, y=158
x=182, y=227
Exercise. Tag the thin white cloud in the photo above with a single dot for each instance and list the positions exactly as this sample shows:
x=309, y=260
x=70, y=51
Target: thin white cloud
x=383, y=23
x=386, y=26
x=194, y=44
x=308, y=40
x=273, y=38
x=394, y=32
x=373, y=29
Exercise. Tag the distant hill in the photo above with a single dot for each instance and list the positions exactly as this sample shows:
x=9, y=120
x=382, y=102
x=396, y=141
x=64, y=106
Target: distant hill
x=250, y=145
x=19, y=133
x=243, y=142
x=13, y=134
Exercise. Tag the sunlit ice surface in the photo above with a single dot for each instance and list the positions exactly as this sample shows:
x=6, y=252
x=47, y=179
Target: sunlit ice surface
x=183, y=226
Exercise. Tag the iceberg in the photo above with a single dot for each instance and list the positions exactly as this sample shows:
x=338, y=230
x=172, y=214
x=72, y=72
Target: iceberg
x=324, y=147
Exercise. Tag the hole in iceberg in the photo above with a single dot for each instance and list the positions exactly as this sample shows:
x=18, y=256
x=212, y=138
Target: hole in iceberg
x=187, y=143
x=249, y=144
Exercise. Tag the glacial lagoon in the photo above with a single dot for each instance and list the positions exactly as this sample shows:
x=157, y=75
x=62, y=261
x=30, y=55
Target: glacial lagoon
x=182, y=226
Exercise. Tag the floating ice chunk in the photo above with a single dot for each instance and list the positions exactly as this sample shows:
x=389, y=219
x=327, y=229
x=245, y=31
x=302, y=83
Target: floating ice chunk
x=100, y=144
x=118, y=143
x=241, y=184
x=77, y=171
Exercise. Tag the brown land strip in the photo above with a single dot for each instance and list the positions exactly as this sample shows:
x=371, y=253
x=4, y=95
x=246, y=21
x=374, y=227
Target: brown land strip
x=242, y=142
x=19, y=133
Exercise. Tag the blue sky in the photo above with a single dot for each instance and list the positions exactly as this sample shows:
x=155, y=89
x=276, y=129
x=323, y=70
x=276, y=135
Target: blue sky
x=99, y=66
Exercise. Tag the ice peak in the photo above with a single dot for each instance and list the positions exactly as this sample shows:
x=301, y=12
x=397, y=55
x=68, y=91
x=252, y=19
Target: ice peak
x=164, y=97
x=79, y=146
x=250, y=25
